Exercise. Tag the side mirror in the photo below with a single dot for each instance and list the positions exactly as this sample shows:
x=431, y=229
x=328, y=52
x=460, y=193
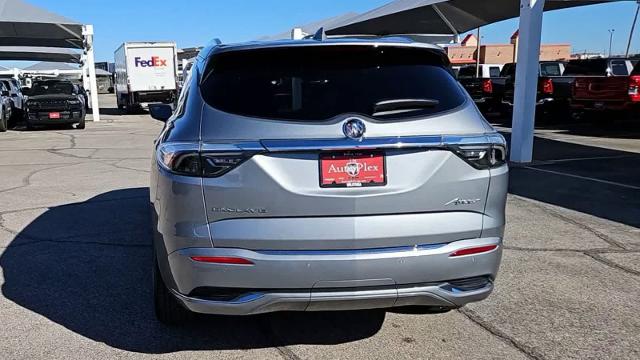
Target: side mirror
x=161, y=112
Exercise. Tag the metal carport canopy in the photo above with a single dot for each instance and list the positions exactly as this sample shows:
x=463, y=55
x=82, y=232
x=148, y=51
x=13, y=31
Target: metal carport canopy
x=459, y=16
x=28, y=32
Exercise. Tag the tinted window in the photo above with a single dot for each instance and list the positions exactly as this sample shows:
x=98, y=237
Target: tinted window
x=508, y=70
x=467, y=71
x=550, y=69
x=591, y=67
x=619, y=68
x=494, y=71
x=320, y=82
x=50, y=88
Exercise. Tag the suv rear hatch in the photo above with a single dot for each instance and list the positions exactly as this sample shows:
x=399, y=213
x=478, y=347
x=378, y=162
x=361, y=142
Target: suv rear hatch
x=275, y=116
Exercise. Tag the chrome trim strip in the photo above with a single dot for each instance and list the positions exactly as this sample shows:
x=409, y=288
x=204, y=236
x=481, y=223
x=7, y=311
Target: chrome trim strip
x=400, y=142
x=354, y=251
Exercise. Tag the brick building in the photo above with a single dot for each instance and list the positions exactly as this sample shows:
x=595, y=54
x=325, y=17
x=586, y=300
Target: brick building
x=465, y=53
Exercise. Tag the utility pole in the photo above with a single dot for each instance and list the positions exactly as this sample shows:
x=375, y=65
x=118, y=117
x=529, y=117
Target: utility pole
x=478, y=54
x=633, y=27
x=611, y=31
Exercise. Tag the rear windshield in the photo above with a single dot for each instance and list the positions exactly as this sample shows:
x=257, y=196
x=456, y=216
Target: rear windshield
x=320, y=82
x=550, y=69
x=467, y=72
x=508, y=70
x=52, y=88
x=591, y=67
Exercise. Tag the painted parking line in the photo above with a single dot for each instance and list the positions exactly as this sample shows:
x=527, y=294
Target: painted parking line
x=632, y=187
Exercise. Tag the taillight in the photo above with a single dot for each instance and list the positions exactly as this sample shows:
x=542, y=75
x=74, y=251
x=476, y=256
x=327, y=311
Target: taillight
x=487, y=86
x=634, y=88
x=547, y=86
x=230, y=260
x=474, y=250
x=190, y=159
x=493, y=154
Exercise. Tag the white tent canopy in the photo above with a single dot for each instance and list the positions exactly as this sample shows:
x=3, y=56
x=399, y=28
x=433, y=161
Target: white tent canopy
x=28, y=32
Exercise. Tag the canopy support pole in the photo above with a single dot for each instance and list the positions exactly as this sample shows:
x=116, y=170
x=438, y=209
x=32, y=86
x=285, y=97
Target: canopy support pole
x=456, y=35
x=526, y=81
x=87, y=32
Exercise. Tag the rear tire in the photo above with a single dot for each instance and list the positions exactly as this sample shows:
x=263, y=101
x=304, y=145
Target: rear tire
x=3, y=122
x=167, y=308
x=81, y=124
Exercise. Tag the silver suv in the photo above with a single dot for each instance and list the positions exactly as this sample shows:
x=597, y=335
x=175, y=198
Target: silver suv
x=324, y=175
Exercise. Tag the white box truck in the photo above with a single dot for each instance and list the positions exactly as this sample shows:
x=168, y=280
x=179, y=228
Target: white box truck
x=145, y=73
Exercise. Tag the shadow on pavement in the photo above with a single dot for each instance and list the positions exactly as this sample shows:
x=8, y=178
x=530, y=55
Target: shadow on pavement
x=87, y=267
x=597, y=181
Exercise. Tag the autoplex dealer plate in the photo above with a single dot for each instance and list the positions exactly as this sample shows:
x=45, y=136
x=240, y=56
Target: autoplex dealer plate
x=352, y=169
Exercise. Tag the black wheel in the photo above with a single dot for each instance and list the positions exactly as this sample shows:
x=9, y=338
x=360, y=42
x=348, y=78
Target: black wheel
x=29, y=125
x=81, y=124
x=168, y=310
x=3, y=121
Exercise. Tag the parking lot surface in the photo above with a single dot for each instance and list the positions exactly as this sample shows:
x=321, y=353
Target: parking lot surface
x=75, y=261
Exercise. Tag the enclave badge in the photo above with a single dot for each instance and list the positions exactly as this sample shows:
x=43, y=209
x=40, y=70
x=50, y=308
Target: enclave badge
x=354, y=128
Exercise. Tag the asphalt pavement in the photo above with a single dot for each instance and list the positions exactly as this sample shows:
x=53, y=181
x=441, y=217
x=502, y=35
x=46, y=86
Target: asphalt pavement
x=75, y=261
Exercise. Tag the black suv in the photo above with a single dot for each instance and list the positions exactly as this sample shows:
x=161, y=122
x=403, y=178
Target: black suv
x=53, y=102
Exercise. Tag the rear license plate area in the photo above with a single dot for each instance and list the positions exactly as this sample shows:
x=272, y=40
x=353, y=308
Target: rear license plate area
x=352, y=169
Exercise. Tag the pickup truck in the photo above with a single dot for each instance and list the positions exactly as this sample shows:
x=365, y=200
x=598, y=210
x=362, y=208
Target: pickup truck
x=480, y=88
x=554, y=91
x=603, y=84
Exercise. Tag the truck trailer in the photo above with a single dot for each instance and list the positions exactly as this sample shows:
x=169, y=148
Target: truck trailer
x=145, y=73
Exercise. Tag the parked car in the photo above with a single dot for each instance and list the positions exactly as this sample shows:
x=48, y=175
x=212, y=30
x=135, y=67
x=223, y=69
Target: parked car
x=480, y=88
x=5, y=107
x=55, y=102
x=553, y=93
x=601, y=84
x=328, y=186
x=17, y=98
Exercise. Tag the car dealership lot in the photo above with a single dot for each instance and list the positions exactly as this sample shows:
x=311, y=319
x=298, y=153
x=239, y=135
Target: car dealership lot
x=75, y=261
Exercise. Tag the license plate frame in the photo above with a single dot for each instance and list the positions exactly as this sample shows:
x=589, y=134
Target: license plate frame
x=343, y=158
x=54, y=115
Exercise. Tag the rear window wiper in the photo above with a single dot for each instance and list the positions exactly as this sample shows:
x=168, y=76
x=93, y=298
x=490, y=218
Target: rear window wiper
x=394, y=106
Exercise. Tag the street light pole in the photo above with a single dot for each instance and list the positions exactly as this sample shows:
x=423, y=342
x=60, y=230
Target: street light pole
x=633, y=27
x=611, y=31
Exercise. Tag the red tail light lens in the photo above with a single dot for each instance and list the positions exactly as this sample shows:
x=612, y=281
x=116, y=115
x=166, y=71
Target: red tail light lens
x=547, y=86
x=474, y=250
x=634, y=88
x=487, y=86
x=222, y=260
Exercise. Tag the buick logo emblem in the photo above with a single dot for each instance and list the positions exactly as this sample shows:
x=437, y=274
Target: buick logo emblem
x=354, y=128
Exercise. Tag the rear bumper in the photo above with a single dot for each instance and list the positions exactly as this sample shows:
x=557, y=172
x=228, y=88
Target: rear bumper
x=602, y=105
x=333, y=279
x=66, y=117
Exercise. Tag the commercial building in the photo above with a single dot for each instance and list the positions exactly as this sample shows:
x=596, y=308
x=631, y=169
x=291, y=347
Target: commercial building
x=466, y=52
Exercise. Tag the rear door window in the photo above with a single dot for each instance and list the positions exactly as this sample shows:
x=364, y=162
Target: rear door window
x=311, y=83
x=619, y=68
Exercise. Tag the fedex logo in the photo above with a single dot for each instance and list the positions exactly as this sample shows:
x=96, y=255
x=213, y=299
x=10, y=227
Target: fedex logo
x=154, y=62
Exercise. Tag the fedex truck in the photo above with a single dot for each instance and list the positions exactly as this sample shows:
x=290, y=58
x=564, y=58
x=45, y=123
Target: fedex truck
x=145, y=73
